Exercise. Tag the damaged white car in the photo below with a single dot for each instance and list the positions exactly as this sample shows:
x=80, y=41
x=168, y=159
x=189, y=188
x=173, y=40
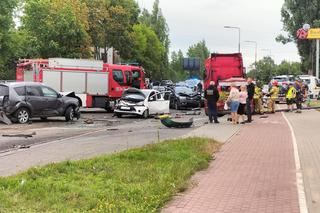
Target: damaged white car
x=142, y=103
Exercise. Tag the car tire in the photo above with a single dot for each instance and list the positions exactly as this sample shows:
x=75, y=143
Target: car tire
x=118, y=115
x=22, y=116
x=177, y=105
x=145, y=114
x=69, y=114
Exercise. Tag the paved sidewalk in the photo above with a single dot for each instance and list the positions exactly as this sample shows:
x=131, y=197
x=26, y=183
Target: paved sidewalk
x=306, y=128
x=254, y=173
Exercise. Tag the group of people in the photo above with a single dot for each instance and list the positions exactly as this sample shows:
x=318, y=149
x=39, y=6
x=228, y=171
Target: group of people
x=295, y=94
x=241, y=101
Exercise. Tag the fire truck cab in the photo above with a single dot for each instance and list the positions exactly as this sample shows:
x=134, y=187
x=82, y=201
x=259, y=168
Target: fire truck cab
x=95, y=84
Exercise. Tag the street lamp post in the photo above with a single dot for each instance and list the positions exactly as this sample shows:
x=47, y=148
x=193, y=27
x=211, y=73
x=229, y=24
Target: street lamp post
x=238, y=28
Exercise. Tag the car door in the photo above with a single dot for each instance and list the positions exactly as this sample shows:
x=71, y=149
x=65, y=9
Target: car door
x=35, y=100
x=53, y=101
x=157, y=104
x=152, y=103
x=163, y=104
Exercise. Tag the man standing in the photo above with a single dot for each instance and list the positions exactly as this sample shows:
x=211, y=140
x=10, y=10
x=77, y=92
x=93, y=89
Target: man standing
x=290, y=96
x=273, y=95
x=299, y=96
x=258, y=108
x=250, y=90
x=212, y=96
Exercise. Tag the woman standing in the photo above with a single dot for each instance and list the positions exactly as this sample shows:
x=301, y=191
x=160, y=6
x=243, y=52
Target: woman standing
x=243, y=95
x=233, y=99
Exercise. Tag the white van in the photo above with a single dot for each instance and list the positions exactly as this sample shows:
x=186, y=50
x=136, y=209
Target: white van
x=313, y=84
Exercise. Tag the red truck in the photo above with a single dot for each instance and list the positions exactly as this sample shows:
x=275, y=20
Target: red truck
x=95, y=84
x=224, y=69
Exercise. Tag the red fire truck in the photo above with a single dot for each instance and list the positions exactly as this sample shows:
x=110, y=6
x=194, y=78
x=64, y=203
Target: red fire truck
x=224, y=69
x=94, y=83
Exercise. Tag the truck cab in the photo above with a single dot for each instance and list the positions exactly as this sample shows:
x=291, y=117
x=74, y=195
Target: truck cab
x=223, y=69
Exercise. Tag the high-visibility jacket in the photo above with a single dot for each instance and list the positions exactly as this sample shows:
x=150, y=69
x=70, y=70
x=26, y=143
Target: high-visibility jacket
x=274, y=92
x=257, y=93
x=292, y=93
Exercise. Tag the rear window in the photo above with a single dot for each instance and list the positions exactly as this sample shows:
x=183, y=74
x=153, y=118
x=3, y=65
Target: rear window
x=4, y=90
x=21, y=91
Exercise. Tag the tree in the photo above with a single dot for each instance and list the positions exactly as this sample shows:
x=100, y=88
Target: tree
x=6, y=29
x=201, y=51
x=59, y=27
x=111, y=23
x=294, y=15
x=157, y=22
x=176, y=71
x=266, y=69
x=289, y=68
x=148, y=50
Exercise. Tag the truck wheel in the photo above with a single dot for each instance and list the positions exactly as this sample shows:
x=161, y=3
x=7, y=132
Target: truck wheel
x=69, y=114
x=22, y=115
x=145, y=114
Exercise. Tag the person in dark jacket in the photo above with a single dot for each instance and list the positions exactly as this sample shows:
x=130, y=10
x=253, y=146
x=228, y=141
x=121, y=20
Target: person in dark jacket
x=250, y=90
x=212, y=96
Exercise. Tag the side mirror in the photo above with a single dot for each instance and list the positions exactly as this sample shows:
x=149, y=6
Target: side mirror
x=59, y=95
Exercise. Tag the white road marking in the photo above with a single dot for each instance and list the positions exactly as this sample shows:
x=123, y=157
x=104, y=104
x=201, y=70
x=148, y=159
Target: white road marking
x=299, y=177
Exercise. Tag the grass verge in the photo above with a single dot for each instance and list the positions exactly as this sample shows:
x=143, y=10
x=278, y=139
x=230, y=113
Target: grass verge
x=139, y=180
x=315, y=103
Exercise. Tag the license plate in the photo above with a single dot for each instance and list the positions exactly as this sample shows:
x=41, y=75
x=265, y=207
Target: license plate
x=125, y=108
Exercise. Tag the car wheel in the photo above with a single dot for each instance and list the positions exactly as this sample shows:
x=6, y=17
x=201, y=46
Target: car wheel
x=22, y=115
x=69, y=114
x=177, y=105
x=145, y=114
x=119, y=115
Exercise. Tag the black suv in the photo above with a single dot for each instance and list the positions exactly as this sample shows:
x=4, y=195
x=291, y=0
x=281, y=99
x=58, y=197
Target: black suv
x=21, y=101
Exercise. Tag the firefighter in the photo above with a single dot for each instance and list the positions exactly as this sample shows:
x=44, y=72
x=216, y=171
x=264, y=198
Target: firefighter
x=290, y=97
x=274, y=95
x=257, y=98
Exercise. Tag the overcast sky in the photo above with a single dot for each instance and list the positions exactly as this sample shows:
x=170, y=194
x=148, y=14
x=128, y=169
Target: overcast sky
x=190, y=21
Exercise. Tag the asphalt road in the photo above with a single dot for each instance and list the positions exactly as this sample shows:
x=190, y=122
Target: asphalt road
x=92, y=125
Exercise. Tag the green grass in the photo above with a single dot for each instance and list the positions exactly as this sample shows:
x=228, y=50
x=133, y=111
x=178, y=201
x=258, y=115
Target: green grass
x=140, y=180
x=315, y=103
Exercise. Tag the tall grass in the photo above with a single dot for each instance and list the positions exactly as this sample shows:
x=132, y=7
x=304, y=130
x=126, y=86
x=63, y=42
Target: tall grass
x=139, y=180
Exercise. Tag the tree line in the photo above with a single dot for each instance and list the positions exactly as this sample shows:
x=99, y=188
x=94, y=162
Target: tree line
x=266, y=68
x=82, y=28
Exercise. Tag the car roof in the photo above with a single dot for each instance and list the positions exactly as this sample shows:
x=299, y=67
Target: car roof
x=15, y=84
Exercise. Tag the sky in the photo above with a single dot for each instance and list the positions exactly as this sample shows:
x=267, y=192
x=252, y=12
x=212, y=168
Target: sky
x=191, y=21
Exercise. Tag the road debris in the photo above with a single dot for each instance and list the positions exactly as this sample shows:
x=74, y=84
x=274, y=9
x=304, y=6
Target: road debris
x=20, y=135
x=168, y=122
x=88, y=121
x=21, y=146
x=112, y=129
x=4, y=118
